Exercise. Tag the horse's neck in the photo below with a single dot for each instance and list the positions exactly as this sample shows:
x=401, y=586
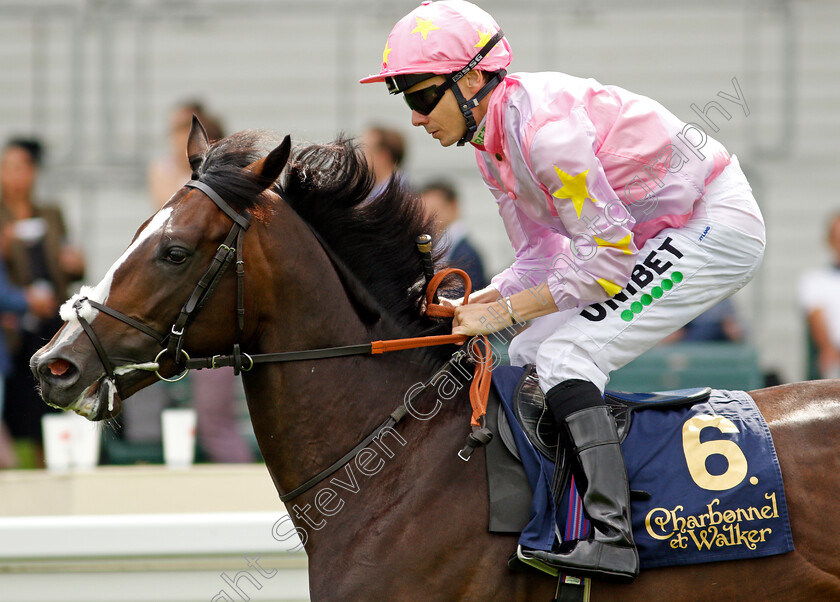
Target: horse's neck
x=308, y=414
x=394, y=481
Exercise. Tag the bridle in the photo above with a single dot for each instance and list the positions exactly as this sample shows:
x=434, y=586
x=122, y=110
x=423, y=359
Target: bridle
x=173, y=341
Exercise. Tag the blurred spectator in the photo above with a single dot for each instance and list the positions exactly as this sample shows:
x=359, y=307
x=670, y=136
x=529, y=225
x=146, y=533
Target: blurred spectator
x=213, y=391
x=37, y=256
x=819, y=294
x=440, y=200
x=384, y=150
x=168, y=173
x=718, y=323
x=11, y=300
x=16, y=301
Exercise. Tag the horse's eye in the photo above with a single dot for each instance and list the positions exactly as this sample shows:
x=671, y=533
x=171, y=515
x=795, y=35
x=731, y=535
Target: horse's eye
x=176, y=255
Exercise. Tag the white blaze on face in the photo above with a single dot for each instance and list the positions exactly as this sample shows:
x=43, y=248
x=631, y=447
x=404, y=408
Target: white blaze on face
x=102, y=291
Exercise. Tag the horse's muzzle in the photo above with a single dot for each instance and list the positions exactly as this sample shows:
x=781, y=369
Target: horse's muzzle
x=56, y=375
x=61, y=386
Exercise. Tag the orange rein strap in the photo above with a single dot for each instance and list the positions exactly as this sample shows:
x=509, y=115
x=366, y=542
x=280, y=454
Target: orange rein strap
x=480, y=352
x=432, y=309
x=378, y=347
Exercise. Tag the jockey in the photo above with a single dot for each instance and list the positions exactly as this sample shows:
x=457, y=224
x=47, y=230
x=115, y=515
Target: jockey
x=626, y=224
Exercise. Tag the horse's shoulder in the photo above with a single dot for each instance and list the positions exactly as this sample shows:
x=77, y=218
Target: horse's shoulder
x=799, y=402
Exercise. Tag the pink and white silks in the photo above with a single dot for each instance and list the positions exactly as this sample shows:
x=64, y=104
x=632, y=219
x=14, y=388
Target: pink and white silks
x=591, y=181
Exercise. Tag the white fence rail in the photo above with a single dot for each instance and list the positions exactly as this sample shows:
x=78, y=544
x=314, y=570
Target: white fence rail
x=153, y=557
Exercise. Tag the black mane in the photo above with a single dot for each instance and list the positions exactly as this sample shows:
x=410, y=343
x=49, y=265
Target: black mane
x=223, y=169
x=329, y=186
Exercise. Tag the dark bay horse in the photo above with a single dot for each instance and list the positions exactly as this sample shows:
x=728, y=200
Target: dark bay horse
x=405, y=519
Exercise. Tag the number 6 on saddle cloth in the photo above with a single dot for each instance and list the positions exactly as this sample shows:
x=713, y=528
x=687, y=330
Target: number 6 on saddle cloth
x=705, y=481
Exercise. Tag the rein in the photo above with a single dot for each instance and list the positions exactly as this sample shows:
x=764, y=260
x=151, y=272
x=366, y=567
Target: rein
x=173, y=341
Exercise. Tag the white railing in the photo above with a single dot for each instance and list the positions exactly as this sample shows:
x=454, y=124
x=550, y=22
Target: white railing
x=160, y=557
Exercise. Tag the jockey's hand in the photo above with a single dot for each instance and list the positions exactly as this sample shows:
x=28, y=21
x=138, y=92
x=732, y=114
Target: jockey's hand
x=489, y=312
x=479, y=318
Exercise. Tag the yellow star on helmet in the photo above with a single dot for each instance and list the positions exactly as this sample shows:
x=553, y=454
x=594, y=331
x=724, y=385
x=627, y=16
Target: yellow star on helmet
x=623, y=244
x=385, y=54
x=574, y=188
x=424, y=26
x=483, y=38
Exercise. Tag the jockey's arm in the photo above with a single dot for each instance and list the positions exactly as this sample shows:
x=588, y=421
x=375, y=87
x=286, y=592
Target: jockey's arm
x=489, y=312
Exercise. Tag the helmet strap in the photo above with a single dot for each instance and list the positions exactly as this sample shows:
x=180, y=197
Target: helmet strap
x=467, y=106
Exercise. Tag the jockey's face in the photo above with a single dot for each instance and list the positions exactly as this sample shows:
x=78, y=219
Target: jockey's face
x=446, y=122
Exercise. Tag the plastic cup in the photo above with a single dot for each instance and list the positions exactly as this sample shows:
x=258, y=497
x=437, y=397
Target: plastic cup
x=84, y=445
x=70, y=441
x=178, y=427
x=58, y=436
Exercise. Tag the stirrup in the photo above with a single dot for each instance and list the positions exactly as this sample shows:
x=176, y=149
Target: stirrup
x=537, y=564
x=616, y=574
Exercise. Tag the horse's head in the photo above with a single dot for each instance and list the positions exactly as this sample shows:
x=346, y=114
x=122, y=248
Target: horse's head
x=118, y=333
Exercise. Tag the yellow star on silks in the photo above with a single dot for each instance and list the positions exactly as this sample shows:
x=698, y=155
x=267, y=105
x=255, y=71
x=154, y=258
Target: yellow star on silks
x=574, y=188
x=623, y=244
x=385, y=54
x=483, y=38
x=611, y=288
x=424, y=26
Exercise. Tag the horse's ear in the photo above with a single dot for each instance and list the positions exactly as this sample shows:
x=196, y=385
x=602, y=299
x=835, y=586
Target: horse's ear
x=197, y=144
x=269, y=167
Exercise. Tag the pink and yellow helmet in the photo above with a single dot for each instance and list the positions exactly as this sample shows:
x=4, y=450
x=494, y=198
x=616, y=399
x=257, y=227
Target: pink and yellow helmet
x=441, y=38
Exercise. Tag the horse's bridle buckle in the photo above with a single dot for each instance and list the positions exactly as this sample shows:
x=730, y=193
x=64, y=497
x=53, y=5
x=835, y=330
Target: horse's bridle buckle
x=176, y=378
x=243, y=369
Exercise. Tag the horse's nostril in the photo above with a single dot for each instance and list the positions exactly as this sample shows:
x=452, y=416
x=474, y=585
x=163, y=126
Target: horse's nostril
x=59, y=367
x=58, y=371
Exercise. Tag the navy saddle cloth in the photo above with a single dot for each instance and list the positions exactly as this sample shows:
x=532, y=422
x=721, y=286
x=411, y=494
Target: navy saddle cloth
x=705, y=481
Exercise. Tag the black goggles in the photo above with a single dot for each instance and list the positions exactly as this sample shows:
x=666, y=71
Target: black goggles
x=426, y=99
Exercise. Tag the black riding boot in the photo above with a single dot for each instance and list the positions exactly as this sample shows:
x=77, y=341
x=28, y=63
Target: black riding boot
x=588, y=431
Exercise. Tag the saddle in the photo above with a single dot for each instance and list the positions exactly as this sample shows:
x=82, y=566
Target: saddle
x=538, y=424
x=677, y=511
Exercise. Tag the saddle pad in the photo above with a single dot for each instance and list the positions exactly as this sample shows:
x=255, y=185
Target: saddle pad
x=712, y=475
x=537, y=526
x=714, y=479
